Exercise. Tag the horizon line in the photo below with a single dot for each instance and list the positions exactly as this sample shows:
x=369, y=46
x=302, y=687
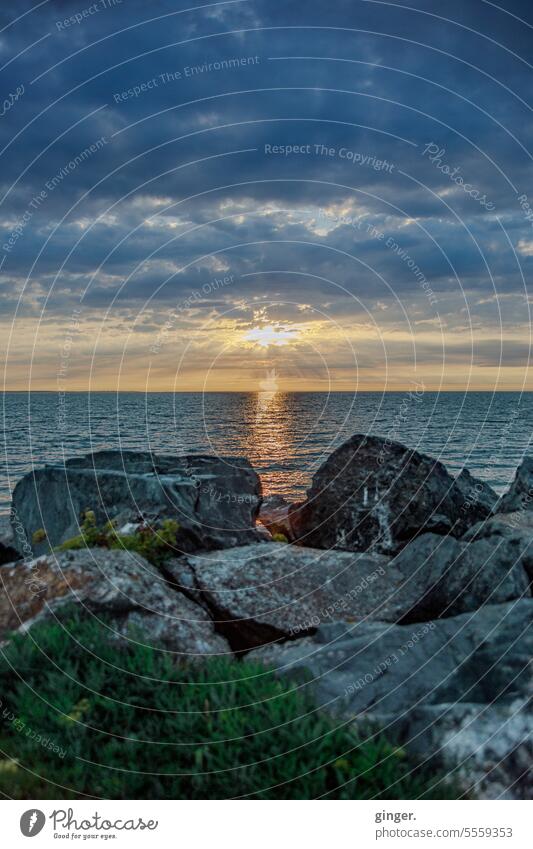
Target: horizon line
x=262, y=392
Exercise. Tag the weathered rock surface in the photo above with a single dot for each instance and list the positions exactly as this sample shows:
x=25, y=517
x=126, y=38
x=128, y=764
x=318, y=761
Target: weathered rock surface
x=374, y=494
x=475, y=493
x=488, y=747
x=458, y=689
x=259, y=594
x=519, y=496
x=444, y=577
x=517, y=530
x=215, y=500
x=502, y=524
x=8, y=551
x=119, y=584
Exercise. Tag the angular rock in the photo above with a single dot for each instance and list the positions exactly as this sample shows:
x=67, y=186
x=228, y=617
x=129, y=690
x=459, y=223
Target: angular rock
x=444, y=577
x=372, y=494
x=475, y=493
x=457, y=689
x=488, y=748
x=259, y=594
x=502, y=524
x=516, y=528
x=119, y=584
x=519, y=496
x=8, y=550
x=214, y=500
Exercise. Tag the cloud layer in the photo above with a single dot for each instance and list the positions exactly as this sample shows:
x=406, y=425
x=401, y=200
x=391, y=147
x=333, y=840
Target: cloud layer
x=361, y=171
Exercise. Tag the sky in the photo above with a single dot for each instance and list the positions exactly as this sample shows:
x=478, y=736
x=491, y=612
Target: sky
x=258, y=196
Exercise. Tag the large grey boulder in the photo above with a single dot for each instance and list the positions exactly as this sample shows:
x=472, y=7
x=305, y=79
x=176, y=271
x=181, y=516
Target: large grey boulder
x=214, y=500
x=456, y=689
x=259, y=594
x=519, y=496
x=475, y=495
x=502, y=524
x=374, y=494
x=488, y=747
x=274, y=591
x=443, y=576
x=118, y=584
x=515, y=528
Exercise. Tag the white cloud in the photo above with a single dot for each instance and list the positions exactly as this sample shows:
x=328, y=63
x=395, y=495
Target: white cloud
x=525, y=247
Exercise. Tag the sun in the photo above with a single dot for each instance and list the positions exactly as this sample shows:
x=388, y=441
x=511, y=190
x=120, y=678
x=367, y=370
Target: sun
x=272, y=335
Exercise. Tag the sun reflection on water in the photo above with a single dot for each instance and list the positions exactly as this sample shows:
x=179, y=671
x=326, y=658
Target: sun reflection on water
x=270, y=433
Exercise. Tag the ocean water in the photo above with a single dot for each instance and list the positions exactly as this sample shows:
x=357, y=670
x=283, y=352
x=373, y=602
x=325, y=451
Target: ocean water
x=286, y=436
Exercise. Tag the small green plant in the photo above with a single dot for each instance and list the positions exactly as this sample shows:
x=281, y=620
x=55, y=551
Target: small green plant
x=120, y=721
x=155, y=544
x=279, y=538
x=78, y=711
x=38, y=536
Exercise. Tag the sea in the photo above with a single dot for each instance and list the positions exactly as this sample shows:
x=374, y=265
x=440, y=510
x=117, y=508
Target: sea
x=286, y=436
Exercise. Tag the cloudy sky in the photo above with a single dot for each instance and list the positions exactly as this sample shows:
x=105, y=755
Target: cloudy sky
x=326, y=196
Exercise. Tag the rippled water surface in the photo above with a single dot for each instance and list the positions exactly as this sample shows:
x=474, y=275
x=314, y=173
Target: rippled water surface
x=285, y=435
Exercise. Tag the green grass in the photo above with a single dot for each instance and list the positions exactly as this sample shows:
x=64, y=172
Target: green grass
x=132, y=722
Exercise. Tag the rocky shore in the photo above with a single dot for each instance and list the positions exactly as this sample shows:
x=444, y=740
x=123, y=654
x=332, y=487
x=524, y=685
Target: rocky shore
x=399, y=595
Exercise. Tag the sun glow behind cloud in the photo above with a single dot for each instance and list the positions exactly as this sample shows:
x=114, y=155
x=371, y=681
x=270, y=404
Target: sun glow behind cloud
x=272, y=334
